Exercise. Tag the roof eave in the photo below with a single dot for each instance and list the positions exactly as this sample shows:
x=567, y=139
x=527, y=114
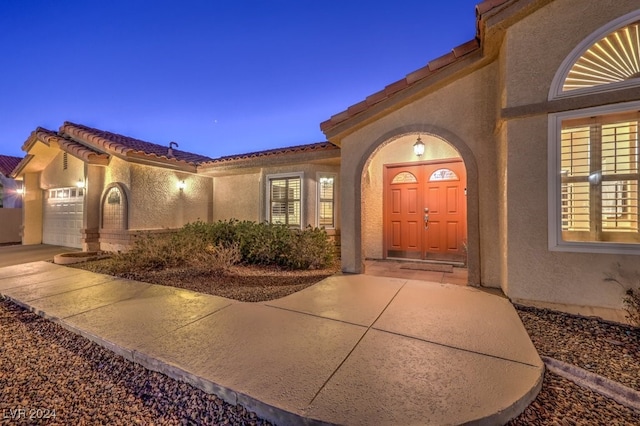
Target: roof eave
x=157, y=161
x=270, y=160
x=20, y=167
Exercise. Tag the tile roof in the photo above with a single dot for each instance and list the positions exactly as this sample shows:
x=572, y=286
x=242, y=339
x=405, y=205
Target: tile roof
x=297, y=149
x=8, y=164
x=435, y=65
x=67, y=144
x=125, y=145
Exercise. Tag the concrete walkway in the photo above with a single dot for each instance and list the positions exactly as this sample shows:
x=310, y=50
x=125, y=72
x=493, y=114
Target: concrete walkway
x=353, y=349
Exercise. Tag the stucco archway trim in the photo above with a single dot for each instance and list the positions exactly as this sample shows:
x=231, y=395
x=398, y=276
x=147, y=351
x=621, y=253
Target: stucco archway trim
x=352, y=253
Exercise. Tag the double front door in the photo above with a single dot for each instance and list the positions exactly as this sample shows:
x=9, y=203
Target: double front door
x=425, y=211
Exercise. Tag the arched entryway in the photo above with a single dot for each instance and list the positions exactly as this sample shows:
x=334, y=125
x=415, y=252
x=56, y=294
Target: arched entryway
x=449, y=167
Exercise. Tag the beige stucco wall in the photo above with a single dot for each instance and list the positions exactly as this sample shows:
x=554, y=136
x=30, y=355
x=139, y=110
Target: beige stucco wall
x=56, y=176
x=533, y=51
x=155, y=202
x=237, y=197
x=399, y=150
x=244, y=196
x=11, y=220
x=463, y=113
x=32, y=209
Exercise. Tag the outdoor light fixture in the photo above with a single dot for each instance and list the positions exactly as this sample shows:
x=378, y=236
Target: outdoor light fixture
x=20, y=191
x=418, y=147
x=80, y=183
x=181, y=185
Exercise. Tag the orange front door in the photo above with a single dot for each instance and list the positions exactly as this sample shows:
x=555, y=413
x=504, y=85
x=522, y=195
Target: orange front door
x=425, y=211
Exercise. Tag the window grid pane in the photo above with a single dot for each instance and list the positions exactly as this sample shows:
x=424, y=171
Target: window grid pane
x=285, y=201
x=326, y=202
x=575, y=207
x=620, y=206
x=620, y=148
x=575, y=151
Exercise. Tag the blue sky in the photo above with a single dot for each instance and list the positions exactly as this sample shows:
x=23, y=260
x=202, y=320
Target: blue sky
x=219, y=77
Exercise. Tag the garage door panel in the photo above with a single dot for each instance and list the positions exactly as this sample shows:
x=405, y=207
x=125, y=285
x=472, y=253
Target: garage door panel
x=63, y=217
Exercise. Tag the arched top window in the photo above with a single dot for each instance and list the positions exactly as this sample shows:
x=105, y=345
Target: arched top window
x=404, y=177
x=608, y=59
x=443, y=174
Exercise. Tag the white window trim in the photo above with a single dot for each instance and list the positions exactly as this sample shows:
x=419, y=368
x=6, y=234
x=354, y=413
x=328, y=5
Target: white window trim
x=554, y=203
x=335, y=184
x=268, y=194
x=557, y=83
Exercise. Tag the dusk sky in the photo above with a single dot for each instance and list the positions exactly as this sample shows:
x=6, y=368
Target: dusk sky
x=219, y=77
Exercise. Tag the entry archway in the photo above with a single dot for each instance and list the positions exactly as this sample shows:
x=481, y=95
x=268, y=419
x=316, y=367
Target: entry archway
x=395, y=147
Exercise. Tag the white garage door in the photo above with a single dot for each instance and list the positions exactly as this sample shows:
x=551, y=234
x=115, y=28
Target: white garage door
x=63, y=217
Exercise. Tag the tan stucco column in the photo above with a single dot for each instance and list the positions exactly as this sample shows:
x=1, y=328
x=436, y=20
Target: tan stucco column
x=32, y=209
x=94, y=180
x=351, y=210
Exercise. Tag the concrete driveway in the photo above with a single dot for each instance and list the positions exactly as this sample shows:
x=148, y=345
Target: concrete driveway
x=18, y=254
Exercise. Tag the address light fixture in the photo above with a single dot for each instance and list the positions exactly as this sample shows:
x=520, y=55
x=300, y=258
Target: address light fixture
x=418, y=147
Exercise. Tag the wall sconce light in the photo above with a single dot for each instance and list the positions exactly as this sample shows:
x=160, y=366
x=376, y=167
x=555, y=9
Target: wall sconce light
x=418, y=147
x=80, y=183
x=20, y=191
x=181, y=185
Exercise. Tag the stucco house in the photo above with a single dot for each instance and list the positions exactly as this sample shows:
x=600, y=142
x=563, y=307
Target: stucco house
x=96, y=190
x=516, y=153
x=10, y=201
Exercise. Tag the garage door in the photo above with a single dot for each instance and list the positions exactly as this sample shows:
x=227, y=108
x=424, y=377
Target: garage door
x=63, y=217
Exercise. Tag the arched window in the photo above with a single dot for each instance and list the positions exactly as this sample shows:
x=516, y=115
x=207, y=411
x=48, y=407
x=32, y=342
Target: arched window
x=443, y=174
x=607, y=59
x=114, y=208
x=404, y=177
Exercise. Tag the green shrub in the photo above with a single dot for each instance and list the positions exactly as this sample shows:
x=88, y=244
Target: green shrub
x=215, y=247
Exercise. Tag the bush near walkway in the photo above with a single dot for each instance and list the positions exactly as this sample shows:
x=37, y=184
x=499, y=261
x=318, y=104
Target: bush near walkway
x=266, y=243
x=215, y=247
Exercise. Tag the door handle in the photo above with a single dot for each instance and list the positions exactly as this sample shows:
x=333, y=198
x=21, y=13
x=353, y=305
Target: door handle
x=426, y=218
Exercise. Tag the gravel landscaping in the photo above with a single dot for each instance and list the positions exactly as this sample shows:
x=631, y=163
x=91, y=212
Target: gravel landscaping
x=43, y=367
x=609, y=350
x=51, y=376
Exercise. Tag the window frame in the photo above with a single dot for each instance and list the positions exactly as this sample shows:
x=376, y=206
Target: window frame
x=555, y=241
x=277, y=176
x=319, y=176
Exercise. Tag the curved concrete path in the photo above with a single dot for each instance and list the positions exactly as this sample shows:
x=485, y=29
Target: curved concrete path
x=352, y=349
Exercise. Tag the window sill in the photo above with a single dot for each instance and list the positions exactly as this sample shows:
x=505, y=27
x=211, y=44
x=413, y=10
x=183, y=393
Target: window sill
x=600, y=248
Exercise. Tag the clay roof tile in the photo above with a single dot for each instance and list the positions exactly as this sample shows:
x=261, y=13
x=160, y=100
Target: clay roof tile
x=442, y=61
x=125, y=145
x=8, y=163
x=314, y=147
